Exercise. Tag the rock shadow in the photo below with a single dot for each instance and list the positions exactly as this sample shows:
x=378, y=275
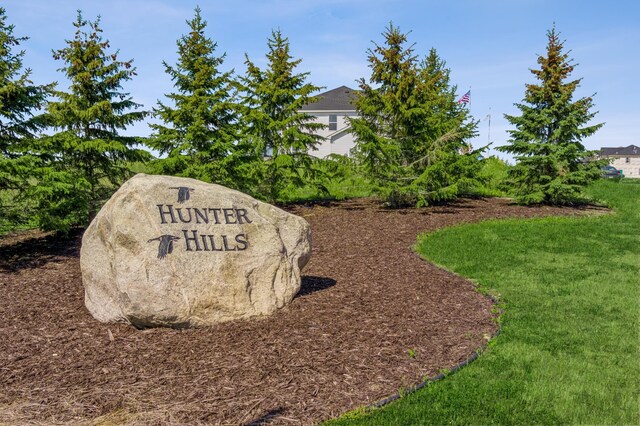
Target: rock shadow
x=311, y=284
x=37, y=252
x=266, y=418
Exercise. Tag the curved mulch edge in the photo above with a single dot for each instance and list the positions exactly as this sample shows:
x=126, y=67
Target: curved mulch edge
x=396, y=396
x=427, y=381
x=341, y=344
x=582, y=210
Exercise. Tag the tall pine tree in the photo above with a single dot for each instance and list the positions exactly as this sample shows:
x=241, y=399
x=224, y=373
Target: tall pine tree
x=276, y=127
x=410, y=132
x=200, y=131
x=20, y=101
x=382, y=104
x=87, y=158
x=442, y=159
x=547, y=140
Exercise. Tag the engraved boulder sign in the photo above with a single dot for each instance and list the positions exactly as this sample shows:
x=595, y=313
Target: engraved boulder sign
x=177, y=252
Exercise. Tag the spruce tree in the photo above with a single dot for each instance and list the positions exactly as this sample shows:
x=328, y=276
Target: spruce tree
x=382, y=104
x=410, y=133
x=20, y=101
x=276, y=127
x=87, y=158
x=442, y=159
x=552, y=164
x=200, y=131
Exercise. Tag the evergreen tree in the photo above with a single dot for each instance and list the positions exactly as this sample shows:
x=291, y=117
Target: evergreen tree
x=275, y=125
x=547, y=141
x=410, y=132
x=88, y=158
x=443, y=159
x=200, y=134
x=381, y=110
x=20, y=101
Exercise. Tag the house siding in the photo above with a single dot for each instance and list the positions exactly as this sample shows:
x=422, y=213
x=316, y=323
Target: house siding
x=338, y=141
x=630, y=169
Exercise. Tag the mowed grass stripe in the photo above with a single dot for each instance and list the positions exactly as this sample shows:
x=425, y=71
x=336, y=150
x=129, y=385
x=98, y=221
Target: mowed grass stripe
x=568, y=352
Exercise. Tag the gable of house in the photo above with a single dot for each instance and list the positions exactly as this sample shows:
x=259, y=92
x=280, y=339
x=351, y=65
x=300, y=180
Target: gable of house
x=333, y=108
x=338, y=99
x=630, y=150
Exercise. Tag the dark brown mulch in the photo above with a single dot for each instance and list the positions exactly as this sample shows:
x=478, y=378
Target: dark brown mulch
x=367, y=299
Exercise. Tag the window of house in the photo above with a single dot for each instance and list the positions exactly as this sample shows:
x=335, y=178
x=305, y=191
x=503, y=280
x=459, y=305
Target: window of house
x=627, y=160
x=268, y=151
x=333, y=122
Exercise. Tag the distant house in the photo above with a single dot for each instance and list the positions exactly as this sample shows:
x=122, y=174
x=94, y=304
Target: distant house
x=332, y=109
x=626, y=159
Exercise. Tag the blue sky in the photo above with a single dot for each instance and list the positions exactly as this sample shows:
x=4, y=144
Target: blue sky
x=488, y=45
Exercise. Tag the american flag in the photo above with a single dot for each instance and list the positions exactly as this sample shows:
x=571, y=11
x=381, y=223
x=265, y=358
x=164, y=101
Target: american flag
x=465, y=98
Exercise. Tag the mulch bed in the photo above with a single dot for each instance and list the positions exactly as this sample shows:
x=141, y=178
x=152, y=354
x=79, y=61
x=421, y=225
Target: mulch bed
x=366, y=301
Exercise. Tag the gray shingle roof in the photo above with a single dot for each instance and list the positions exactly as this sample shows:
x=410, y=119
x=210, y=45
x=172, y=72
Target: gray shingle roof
x=340, y=99
x=629, y=150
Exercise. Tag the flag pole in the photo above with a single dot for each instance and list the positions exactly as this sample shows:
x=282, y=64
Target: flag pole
x=489, y=134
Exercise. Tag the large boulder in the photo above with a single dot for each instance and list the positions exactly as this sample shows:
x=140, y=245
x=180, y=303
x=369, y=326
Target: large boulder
x=168, y=251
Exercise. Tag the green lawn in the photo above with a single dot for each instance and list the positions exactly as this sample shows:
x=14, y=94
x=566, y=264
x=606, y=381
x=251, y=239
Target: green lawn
x=568, y=352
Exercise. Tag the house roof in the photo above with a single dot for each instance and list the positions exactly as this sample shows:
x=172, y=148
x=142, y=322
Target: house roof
x=339, y=99
x=629, y=150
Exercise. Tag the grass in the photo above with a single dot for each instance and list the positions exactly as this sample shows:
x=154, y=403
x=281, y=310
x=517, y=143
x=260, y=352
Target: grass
x=339, y=189
x=14, y=215
x=493, y=176
x=342, y=180
x=340, y=186
x=568, y=352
